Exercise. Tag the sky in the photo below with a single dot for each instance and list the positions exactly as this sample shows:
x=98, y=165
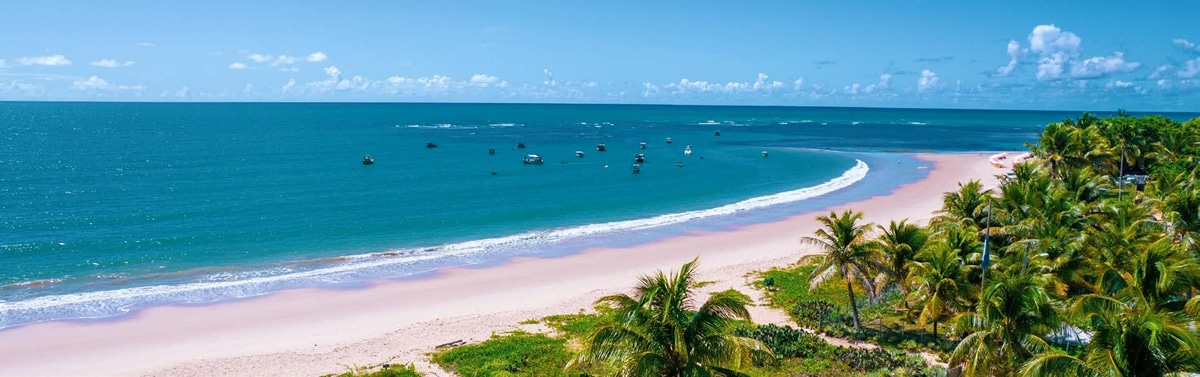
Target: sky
x=1063, y=55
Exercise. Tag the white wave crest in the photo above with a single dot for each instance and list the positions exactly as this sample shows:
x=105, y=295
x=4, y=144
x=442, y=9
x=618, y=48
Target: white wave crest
x=107, y=303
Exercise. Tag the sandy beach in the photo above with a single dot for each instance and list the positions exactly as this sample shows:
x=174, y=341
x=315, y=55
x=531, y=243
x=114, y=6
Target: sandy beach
x=319, y=331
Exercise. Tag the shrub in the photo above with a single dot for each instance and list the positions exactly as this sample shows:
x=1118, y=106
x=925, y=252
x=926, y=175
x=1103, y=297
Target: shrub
x=515, y=354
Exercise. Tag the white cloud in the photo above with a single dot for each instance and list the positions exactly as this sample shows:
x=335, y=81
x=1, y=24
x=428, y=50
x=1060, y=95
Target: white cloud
x=3, y=64
x=590, y=84
x=289, y=69
x=1186, y=44
x=1100, y=66
x=284, y=60
x=51, y=61
x=762, y=84
x=1158, y=72
x=1163, y=84
x=650, y=89
x=259, y=58
x=237, y=65
x=110, y=63
x=1191, y=69
x=91, y=83
x=316, y=57
x=291, y=84
x=798, y=83
x=550, y=81
x=249, y=88
x=483, y=80
x=851, y=89
x=182, y=92
x=147, y=45
x=1014, y=54
x=1118, y=84
x=885, y=81
x=928, y=80
x=333, y=71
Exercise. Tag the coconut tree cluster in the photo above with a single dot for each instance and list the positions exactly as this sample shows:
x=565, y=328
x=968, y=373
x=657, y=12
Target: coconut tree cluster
x=1083, y=262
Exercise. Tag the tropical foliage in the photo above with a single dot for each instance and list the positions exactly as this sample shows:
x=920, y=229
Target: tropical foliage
x=1091, y=264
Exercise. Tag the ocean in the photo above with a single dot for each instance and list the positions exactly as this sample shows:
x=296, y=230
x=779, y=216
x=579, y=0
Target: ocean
x=107, y=208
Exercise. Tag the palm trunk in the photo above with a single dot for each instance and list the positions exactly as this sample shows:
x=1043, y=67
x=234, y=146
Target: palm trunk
x=853, y=305
x=935, y=338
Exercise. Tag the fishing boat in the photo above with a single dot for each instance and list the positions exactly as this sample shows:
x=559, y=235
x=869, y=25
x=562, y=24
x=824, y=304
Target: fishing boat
x=368, y=160
x=764, y=153
x=643, y=145
x=717, y=133
x=679, y=164
x=491, y=150
x=430, y=145
x=687, y=151
x=600, y=147
x=532, y=159
x=669, y=140
x=520, y=145
x=579, y=154
x=639, y=158
x=636, y=168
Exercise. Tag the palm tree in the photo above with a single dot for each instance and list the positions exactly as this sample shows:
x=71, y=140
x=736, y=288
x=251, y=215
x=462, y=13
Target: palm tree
x=1006, y=330
x=848, y=254
x=1142, y=329
x=900, y=242
x=965, y=206
x=938, y=283
x=659, y=332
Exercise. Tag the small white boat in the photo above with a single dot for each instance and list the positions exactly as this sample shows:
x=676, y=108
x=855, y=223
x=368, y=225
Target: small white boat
x=578, y=153
x=764, y=153
x=368, y=160
x=643, y=145
x=600, y=147
x=669, y=140
x=636, y=168
x=532, y=159
x=639, y=158
x=687, y=151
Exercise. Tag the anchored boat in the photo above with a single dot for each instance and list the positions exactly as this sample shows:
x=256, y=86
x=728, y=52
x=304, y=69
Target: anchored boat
x=368, y=160
x=532, y=159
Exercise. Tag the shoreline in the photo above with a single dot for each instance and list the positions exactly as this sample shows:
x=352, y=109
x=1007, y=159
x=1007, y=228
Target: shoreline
x=270, y=335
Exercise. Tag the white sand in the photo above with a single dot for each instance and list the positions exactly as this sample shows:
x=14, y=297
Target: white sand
x=318, y=331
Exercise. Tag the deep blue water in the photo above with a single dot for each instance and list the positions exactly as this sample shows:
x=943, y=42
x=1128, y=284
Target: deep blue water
x=107, y=207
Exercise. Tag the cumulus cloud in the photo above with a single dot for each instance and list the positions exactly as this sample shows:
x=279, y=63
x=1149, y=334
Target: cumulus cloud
x=649, y=89
x=289, y=69
x=316, y=57
x=237, y=65
x=1100, y=66
x=798, y=83
x=1186, y=44
x=1014, y=54
x=929, y=80
x=291, y=84
x=763, y=84
x=1158, y=72
x=182, y=92
x=50, y=61
x=885, y=81
x=1118, y=84
x=249, y=88
x=1191, y=69
x=111, y=63
x=549, y=77
x=147, y=45
x=1058, y=55
x=91, y=83
x=482, y=80
x=285, y=60
x=259, y=58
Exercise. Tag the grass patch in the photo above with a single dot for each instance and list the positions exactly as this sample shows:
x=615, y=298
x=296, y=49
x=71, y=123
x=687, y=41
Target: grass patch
x=513, y=354
x=579, y=325
x=388, y=371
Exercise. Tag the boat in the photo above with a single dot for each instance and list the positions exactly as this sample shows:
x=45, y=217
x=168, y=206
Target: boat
x=578, y=153
x=717, y=133
x=669, y=140
x=491, y=150
x=643, y=145
x=532, y=159
x=520, y=145
x=679, y=164
x=600, y=147
x=639, y=158
x=636, y=168
x=764, y=153
x=368, y=160
x=430, y=145
x=687, y=151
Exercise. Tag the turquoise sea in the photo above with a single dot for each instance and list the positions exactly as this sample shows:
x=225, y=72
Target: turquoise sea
x=106, y=208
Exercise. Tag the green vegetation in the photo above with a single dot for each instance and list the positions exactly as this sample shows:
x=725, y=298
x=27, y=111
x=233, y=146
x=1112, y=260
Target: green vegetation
x=513, y=354
x=386, y=370
x=1091, y=263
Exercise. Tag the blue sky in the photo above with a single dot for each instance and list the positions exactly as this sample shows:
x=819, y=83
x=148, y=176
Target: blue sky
x=1022, y=54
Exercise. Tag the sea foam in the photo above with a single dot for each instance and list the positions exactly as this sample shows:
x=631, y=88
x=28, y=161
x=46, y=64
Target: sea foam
x=362, y=267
